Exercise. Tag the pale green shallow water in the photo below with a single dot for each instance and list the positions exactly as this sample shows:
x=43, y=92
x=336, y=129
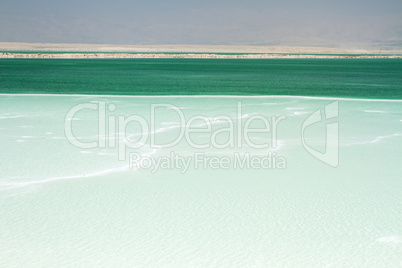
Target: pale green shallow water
x=62, y=206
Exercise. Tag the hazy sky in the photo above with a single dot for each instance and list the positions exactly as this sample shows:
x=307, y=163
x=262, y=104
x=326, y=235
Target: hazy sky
x=339, y=23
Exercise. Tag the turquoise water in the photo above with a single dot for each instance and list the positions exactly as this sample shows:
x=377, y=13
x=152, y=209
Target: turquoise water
x=318, y=193
x=356, y=78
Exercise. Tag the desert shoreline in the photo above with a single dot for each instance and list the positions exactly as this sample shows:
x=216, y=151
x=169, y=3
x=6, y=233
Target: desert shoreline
x=89, y=51
x=12, y=55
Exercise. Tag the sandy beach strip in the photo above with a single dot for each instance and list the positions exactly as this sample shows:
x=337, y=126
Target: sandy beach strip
x=88, y=51
x=182, y=56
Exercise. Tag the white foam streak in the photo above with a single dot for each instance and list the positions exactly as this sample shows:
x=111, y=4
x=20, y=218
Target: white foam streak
x=389, y=239
x=376, y=140
x=206, y=96
x=374, y=111
x=70, y=177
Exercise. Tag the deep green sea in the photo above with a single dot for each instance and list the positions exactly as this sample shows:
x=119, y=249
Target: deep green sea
x=351, y=78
